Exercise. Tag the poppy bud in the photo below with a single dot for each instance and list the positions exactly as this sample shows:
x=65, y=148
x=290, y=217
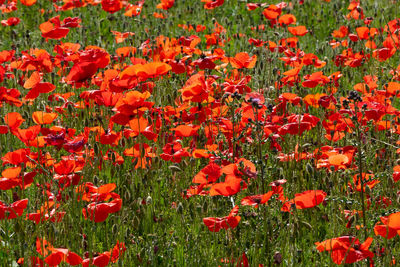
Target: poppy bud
x=309, y=169
x=127, y=195
x=149, y=200
x=122, y=142
x=299, y=255
x=179, y=209
x=277, y=258
x=96, y=148
x=205, y=206
x=198, y=208
x=15, y=196
x=26, y=114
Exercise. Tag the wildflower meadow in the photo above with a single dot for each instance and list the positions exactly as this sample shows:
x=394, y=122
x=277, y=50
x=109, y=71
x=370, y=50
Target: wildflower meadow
x=199, y=133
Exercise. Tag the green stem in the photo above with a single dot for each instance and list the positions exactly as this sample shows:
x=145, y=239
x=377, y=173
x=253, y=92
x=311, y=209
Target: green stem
x=360, y=168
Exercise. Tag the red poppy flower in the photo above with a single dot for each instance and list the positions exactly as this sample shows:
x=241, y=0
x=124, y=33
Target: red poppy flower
x=287, y=19
x=13, y=120
x=16, y=157
x=174, y=152
x=356, y=11
x=60, y=254
x=87, y=64
x=312, y=80
x=118, y=250
x=75, y=145
x=204, y=63
x=55, y=139
x=10, y=21
x=243, y=60
x=256, y=199
x=368, y=179
x=131, y=104
x=98, y=212
x=53, y=29
x=383, y=54
x=121, y=36
x=341, y=33
x=290, y=97
x=111, y=6
x=295, y=128
x=82, y=71
x=134, y=10
x=346, y=249
x=298, y=30
x=166, y=4
x=66, y=166
x=233, y=178
x=10, y=96
x=28, y=2
x=209, y=174
x=231, y=186
x=309, y=199
x=101, y=260
x=37, y=87
x=41, y=117
x=254, y=6
x=6, y=55
x=389, y=226
x=230, y=221
x=272, y=12
x=196, y=88
x=3, y=129
x=12, y=178
x=54, y=256
x=293, y=72
x=14, y=210
x=46, y=212
x=211, y=4
x=311, y=59
x=185, y=130
x=93, y=193
x=340, y=158
x=145, y=71
x=29, y=136
x=143, y=153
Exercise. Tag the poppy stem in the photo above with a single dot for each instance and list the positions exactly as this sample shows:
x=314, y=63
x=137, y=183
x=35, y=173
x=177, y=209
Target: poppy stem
x=360, y=168
x=260, y=133
x=233, y=131
x=362, y=185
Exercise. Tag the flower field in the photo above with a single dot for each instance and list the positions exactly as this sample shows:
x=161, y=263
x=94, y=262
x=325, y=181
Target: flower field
x=199, y=133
